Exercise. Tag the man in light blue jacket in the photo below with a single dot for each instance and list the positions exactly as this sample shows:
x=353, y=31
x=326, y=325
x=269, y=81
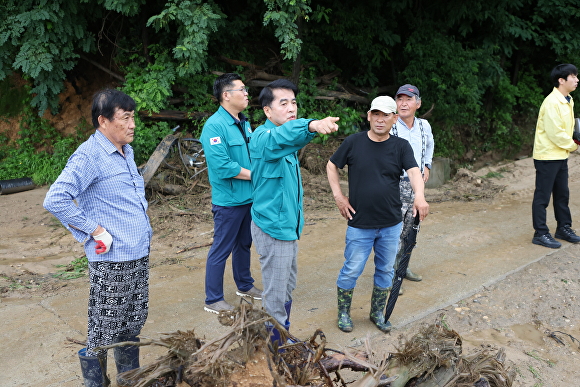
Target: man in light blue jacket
x=225, y=138
x=277, y=215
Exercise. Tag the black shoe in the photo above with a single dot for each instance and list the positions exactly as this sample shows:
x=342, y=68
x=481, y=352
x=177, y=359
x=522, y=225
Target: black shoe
x=547, y=241
x=567, y=234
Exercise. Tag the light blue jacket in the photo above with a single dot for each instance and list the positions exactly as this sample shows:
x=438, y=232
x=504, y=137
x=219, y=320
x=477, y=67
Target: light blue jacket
x=226, y=153
x=276, y=179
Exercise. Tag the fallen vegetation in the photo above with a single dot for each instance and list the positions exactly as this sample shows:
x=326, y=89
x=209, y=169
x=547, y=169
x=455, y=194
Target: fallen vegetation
x=245, y=356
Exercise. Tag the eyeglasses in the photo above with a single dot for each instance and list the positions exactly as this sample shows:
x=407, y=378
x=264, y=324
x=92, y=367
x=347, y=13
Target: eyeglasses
x=242, y=89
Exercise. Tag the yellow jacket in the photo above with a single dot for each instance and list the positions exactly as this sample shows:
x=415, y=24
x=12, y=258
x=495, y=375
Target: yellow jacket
x=553, y=140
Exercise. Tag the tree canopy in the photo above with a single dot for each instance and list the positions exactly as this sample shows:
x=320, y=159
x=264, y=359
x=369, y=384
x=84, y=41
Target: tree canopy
x=482, y=65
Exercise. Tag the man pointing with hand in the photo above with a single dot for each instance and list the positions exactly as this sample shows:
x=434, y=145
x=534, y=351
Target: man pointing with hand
x=277, y=214
x=110, y=218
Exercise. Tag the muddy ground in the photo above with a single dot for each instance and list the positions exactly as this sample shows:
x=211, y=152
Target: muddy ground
x=482, y=277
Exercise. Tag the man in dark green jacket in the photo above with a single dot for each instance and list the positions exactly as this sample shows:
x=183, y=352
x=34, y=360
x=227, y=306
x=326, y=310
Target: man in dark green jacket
x=277, y=216
x=225, y=138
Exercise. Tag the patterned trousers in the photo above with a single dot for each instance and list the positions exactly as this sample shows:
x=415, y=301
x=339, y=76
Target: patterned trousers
x=118, y=301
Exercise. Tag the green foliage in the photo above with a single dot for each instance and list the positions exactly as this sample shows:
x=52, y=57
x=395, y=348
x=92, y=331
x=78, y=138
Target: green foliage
x=42, y=39
x=283, y=15
x=310, y=107
x=35, y=132
x=47, y=166
x=493, y=175
x=43, y=167
x=76, y=269
x=125, y=7
x=150, y=85
x=13, y=283
x=12, y=98
x=359, y=37
x=199, y=95
x=40, y=152
x=454, y=78
x=483, y=65
x=193, y=21
x=147, y=137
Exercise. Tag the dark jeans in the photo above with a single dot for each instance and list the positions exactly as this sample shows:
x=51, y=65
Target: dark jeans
x=551, y=180
x=232, y=235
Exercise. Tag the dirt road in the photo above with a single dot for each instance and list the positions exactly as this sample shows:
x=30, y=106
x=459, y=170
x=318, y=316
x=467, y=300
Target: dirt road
x=482, y=276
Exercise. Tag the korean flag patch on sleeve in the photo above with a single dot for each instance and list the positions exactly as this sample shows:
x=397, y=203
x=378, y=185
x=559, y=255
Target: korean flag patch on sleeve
x=215, y=140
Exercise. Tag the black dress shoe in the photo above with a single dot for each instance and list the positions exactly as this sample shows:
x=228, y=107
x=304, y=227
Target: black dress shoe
x=567, y=234
x=547, y=241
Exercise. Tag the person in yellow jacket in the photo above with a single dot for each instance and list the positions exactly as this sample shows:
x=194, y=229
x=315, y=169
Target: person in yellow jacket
x=553, y=143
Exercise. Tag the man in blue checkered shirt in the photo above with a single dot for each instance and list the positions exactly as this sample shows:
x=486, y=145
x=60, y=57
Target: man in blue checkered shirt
x=110, y=219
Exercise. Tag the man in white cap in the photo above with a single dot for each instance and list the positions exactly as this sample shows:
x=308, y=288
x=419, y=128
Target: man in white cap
x=375, y=160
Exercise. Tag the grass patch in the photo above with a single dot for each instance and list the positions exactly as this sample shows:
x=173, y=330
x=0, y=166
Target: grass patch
x=536, y=356
x=8, y=284
x=76, y=269
x=493, y=175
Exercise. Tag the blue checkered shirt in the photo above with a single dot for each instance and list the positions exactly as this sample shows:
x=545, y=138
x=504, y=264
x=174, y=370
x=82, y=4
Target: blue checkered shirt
x=109, y=192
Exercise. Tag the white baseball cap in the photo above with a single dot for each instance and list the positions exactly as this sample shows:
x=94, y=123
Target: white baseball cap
x=385, y=104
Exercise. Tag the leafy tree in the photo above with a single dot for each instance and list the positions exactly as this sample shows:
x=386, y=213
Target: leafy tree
x=483, y=65
x=283, y=14
x=41, y=38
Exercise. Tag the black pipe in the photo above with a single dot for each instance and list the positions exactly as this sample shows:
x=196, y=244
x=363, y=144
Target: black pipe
x=16, y=185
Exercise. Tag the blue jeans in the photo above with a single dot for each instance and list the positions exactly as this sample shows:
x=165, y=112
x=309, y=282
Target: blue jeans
x=359, y=243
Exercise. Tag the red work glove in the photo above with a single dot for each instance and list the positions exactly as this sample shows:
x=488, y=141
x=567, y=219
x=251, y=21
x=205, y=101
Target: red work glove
x=104, y=241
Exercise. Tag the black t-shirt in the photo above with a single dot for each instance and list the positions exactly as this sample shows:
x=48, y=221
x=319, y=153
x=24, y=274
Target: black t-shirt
x=374, y=170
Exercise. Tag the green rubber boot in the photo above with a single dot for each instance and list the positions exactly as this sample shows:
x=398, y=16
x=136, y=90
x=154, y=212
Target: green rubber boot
x=378, y=302
x=344, y=302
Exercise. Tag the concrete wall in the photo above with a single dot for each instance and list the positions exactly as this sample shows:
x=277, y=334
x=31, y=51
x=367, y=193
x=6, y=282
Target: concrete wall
x=440, y=172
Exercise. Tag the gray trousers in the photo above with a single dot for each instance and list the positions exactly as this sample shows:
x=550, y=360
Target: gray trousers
x=279, y=264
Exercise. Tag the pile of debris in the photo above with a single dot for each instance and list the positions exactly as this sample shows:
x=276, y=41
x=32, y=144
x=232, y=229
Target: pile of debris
x=244, y=356
x=465, y=186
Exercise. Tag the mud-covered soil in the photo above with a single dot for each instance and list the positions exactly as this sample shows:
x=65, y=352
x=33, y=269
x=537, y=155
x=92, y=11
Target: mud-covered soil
x=531, y=311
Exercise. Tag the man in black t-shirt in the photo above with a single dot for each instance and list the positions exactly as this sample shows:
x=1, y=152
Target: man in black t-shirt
x=373, y=209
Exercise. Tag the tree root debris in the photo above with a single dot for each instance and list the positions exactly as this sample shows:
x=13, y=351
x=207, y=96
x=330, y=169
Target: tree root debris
x=245, y=356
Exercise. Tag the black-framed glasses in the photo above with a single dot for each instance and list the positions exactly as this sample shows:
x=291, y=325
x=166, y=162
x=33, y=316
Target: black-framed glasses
x=242, y=89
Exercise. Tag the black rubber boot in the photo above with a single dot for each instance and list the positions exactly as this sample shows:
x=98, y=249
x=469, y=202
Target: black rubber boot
x=94, y=370
x=126, y=359
x=378, y=302
x=344, y=298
